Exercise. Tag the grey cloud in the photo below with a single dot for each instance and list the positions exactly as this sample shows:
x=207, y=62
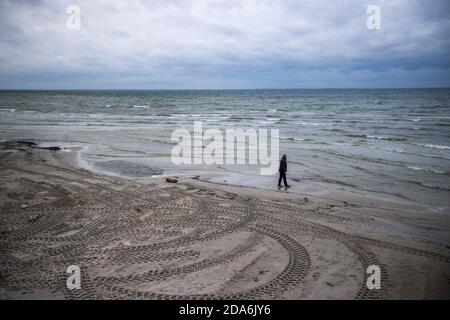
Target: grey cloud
x=221, y=43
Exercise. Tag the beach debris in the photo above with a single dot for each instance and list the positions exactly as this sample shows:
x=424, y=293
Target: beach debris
x=197, y=177
x=27, y=143
x=171, y=180
x=306, y=199
x=33, y=145
x=51, y=148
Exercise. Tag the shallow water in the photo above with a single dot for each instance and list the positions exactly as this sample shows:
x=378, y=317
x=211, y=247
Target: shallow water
x=391, y=141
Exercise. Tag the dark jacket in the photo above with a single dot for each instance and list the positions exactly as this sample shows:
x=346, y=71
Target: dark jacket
x=283, y=166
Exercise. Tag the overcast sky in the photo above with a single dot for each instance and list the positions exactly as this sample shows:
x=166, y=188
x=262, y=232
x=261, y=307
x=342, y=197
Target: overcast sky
x=171, y=44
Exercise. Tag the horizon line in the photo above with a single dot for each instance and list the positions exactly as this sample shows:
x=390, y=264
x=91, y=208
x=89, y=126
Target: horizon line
x=223, y=89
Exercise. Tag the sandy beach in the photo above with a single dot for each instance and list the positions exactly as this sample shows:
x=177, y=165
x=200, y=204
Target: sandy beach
x=144, y=238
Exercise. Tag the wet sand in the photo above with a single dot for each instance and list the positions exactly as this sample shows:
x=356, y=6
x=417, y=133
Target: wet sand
x=144, y=238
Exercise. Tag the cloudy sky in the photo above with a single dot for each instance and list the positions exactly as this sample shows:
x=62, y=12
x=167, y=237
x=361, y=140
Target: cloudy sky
x=194, y=44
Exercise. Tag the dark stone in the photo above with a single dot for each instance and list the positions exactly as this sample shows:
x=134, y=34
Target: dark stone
x=52, y=148
x=27, y=143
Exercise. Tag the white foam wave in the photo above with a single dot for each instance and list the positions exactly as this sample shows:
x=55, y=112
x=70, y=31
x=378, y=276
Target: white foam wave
x=435, y=146
x=425, y=170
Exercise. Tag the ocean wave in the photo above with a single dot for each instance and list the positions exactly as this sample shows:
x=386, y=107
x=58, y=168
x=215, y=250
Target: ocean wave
x=141, y=107
x=365, y=136
x=431, y=186
x=356, y=135
x=434, y=146
x=234, y=118
x=424, y=155
x=387, y=138
x=113, y=124
x=335, y=130
x=217, y=119
x=267, y=122
x=8, y=110
x=362, y=158
x=96, y=115
x=313, y=124
x=295, y=139
x=341, y=143
x=314, y=142
x=427, y=170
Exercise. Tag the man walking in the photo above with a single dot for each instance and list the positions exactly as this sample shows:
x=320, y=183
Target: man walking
x=283, y=171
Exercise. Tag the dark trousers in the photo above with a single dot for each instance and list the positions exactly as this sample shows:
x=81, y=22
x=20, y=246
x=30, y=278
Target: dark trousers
x=282, y=176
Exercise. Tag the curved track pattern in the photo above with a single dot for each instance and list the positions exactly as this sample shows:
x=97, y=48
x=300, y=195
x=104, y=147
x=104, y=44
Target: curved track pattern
x=138, y=242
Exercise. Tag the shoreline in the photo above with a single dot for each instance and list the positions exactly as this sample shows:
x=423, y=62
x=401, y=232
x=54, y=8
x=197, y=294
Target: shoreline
x=237, y=179
x=326, y=191
x=302, y=179
x=144, y=225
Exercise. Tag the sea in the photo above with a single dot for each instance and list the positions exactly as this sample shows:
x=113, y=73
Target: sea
x=393, y=142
